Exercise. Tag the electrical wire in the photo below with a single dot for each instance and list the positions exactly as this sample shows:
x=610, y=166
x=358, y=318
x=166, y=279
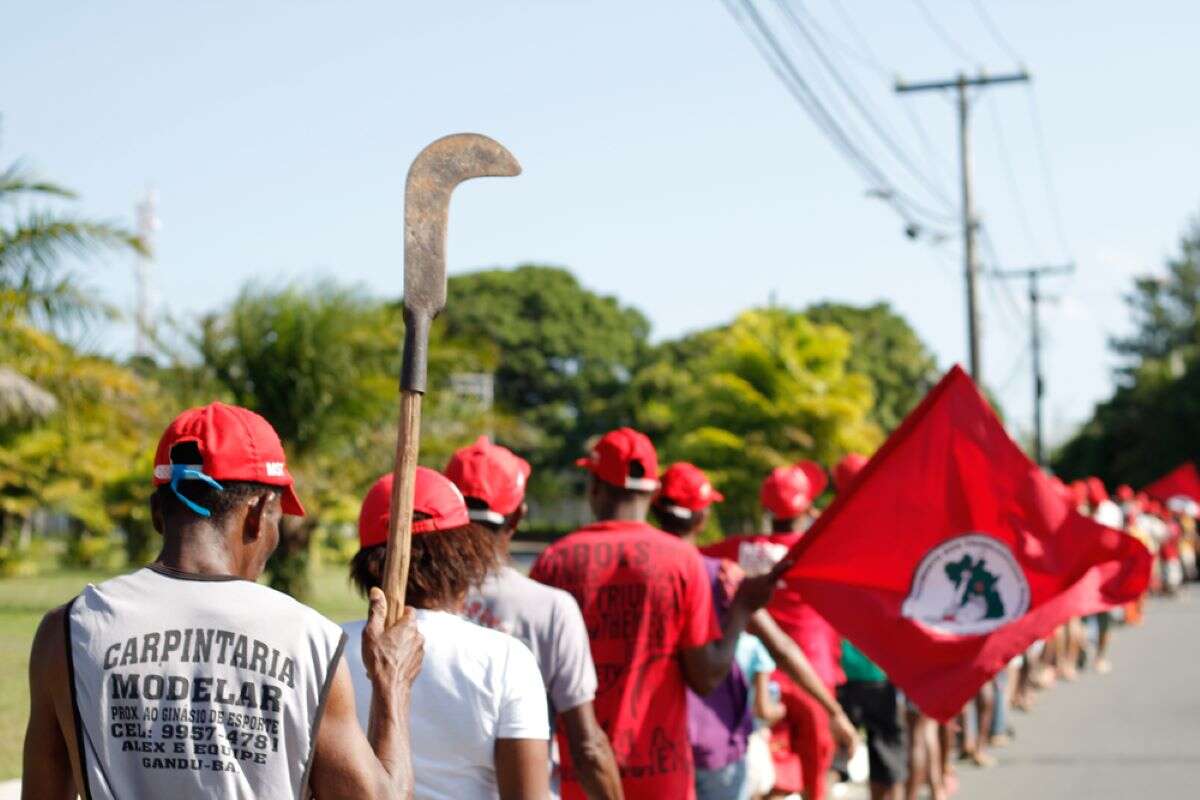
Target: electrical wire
x=998, y=286
x=1017, y=368
x=1011, y=175
x=869, y=57
x=995, y=33
x=854, y=94
x=942, y=33
x=787, y=71
x=1039, y=134
x=761, y=35
x=1047, y=174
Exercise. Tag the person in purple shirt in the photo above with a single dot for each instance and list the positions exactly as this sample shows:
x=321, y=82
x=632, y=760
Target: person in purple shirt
x=721, y=722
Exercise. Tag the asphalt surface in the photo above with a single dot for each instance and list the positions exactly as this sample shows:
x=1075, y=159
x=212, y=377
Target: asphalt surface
x=1134, y=733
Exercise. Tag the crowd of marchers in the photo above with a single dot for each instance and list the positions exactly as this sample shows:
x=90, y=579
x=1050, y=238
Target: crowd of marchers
x=630, y=662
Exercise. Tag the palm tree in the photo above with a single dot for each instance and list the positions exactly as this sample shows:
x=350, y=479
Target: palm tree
x=36, y=239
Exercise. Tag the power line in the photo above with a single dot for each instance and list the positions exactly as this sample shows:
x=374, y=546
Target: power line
x=1013, y=190
x=1047, y=174
x=1015, y=370
x=942, y=33
x=1036, y=116
x=872, y=60
x=1003, y=289
x=995, y=33
x=867, y=114
x=773, y=52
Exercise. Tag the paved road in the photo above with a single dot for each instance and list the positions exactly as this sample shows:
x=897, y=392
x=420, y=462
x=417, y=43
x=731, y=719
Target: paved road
x=1134, y=733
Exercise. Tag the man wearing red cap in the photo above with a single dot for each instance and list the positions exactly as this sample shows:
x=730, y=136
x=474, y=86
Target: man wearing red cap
x=721, y=722
x=547, y=620
x=648, y=608
x=802, y=743
x=186, y=679
x=479, y=722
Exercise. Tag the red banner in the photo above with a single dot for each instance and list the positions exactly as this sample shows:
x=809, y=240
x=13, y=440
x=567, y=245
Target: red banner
x=953, y=553
x=1183, y=480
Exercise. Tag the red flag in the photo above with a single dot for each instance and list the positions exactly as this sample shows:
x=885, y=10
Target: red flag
x=953, y=553
x=1183, y=480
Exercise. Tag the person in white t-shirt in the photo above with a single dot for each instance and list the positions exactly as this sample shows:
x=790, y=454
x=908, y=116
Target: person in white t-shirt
x=479, y=719
x=493, y=478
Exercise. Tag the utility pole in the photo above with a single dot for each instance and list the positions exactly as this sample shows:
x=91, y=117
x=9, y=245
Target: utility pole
x=147, y=225
x=1035, y=339
x=969, y=223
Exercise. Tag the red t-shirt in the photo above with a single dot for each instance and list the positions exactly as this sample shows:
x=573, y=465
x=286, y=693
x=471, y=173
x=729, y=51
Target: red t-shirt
x=645, y=596
x=816, y=637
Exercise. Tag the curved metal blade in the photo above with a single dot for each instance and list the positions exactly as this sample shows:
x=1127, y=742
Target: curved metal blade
x=432, y=177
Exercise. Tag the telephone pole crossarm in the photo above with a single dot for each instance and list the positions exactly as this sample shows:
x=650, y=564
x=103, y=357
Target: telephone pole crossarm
x=963, y=80
x=1032, y=274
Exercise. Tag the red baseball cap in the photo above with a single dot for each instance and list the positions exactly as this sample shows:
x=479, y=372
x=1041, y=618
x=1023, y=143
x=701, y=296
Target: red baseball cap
x=235, y=444
x=615, y=452
x=493, y=474
x=847, y=470
x=817, y=479
x=1079, y=492
x=1096, y=492
x=786, y=492
x=434, y=496
x=1125, y=493
x=686, y=490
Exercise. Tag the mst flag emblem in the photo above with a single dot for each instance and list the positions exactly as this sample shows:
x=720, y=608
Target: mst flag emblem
x=971, y=584
x=952, y=552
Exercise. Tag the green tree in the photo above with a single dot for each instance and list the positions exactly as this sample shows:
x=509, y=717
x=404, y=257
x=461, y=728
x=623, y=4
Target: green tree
x=887, y=350
x=106, y=418
x=564, y=355
x=1152, y=421
x=769, y=389
x=1147, y=427
x=37, y=240
x=321, y=363
x=1165, y=311
x=79, y=419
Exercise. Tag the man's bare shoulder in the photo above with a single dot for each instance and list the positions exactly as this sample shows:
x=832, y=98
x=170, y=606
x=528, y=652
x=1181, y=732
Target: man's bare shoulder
x=48, y=671
x=49, y=642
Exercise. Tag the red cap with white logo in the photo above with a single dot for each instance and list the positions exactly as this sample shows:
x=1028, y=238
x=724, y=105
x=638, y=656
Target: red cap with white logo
x=686, y=490
x=235, y=444
x=492, y=474
x=614, y=455
x=435, y=497
x=786, y=493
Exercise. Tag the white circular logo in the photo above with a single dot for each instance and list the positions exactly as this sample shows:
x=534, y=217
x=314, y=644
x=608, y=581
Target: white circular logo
x=971, y=584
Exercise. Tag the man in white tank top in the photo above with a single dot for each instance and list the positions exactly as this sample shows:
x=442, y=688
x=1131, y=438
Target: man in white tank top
x=186, y=679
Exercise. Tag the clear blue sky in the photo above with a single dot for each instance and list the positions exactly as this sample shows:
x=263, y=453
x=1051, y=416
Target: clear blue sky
x=663, y=162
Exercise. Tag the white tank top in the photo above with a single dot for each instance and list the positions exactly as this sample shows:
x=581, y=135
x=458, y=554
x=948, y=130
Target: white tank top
x=189, y=686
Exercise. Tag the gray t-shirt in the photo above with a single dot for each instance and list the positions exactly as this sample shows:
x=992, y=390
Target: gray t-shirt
x=197, y=686
x=547, y=620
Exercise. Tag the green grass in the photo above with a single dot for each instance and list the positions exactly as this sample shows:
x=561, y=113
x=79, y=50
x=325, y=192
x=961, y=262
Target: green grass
x=23, y=601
